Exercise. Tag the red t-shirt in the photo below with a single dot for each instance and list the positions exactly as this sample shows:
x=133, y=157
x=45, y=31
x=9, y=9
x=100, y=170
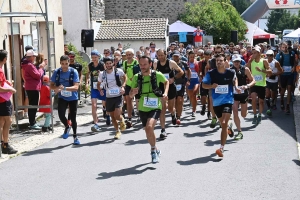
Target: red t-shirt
x=2, y=81
x=45, y=99
x=198, y=36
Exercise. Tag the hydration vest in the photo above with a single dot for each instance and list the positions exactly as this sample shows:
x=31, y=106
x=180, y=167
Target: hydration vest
x=153, y=82
x=71, y=77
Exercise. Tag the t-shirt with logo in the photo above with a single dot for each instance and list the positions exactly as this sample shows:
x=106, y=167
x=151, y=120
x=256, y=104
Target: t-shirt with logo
x=108, y=82
x=148, y=100
x=223, y=94
x=64, y=80
x=78, y=67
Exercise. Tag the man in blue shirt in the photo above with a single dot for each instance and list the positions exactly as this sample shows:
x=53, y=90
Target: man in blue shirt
x=287, y=60
x=65, y=82
x=222, y=81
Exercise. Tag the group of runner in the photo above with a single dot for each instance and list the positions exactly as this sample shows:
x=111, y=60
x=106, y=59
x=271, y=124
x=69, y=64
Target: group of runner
x=157, y=81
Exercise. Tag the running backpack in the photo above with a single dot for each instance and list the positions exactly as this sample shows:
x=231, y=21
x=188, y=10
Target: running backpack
x=71, y=77
x=292, y=58
x=133, y=64
x=117, y=77
x=155, y=88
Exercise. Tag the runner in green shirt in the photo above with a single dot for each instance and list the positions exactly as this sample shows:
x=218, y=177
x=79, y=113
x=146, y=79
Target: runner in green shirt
x=149, y=104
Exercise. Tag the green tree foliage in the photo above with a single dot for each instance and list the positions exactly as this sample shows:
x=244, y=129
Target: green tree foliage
x=240, y=5
x=281, y=19
x=217, y=17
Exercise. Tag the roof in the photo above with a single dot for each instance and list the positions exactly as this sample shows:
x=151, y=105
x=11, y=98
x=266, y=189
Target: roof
x=132, y=29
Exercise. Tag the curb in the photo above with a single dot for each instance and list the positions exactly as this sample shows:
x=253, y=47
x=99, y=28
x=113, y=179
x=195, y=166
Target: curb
x=296, y=110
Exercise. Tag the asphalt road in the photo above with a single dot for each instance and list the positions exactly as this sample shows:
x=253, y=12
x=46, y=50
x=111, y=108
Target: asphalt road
x=263, y=165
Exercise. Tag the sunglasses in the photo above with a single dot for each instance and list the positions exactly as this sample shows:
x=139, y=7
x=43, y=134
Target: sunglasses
x=106, y=53
x=270, y=55
x=152, y=47
x=71, y=56
x=218, y=52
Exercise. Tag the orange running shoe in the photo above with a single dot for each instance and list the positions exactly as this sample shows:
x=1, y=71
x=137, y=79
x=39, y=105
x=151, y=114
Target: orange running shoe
x=69, y=122
x=219, y=152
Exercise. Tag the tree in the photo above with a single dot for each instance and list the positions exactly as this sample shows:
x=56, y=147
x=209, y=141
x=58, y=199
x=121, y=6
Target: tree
x=281, y=19
x=217, y=17
x=241, y=5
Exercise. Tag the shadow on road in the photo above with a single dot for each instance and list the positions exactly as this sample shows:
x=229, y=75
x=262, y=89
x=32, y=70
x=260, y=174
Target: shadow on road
x=95, y=143
x=143, y=141
x=217, y=142
x=200, y=160
x=199, y=134
x=45, y=150
x=297, y=162
x=125, y=172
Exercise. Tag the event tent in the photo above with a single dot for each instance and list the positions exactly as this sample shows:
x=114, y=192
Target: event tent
x=294, y=34
x=179, y=26
x=254, y=32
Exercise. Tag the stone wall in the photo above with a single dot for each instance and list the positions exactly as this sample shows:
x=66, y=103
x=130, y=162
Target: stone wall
x=131, y=9
x=97, y=10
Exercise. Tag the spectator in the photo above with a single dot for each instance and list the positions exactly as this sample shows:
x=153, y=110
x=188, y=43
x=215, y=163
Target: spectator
x=181, y=49
x=32, y=79
x=120, y=47
x=152, y=50
x=40, y=62
x=198, y=36
x=142, y=49
x=112, y=51
x=45, y=101
x=118, y=59
x=247, y=54
x=138, y=54
x=66, y=49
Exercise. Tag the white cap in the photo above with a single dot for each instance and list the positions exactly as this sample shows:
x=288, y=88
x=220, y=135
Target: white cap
x=129, y=50
x=31, y=53
x=270, y=52
x=236, y=57
x=257, y=48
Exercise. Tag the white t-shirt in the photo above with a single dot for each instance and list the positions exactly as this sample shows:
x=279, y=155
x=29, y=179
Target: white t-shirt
x=108, y=82
x=152, y=55
x=274, y=70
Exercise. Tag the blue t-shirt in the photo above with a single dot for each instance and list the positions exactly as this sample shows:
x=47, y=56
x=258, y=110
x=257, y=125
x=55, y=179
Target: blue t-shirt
x=286, y=61
x=223, y=94
x=64, y=80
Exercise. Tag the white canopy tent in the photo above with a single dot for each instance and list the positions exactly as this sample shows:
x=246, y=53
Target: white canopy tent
x=254, y=32
x=293, y=36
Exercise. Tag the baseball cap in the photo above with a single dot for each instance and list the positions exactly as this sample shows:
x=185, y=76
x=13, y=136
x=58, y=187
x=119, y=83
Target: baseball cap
x=31, y=53
x=28, y=47
x=176, y=53
x=45, y=78
x=257, y=48
x=236, y=57
x=270, y=52
x=173, y=43
x=71, y=53
x=95, y=53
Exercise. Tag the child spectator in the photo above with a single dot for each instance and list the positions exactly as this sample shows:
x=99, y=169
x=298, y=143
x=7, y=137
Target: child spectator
x=45, y=101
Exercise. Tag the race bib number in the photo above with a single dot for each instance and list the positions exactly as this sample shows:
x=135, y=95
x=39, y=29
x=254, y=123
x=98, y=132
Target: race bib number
x=221, y=89
x=178, y=87
x=114, y=91
x=167, y=76
x=95, y=85
x=194, y=75
x=258, y=77
x=235, y=92
x=150, y=102
x=65, y=93
x=287, y=68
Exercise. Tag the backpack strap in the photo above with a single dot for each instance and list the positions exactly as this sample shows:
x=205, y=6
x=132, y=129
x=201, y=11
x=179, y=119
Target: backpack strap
x=243, y=70
x=117, y=77
x=125, y=70
x=57, y=77
x=71, y=78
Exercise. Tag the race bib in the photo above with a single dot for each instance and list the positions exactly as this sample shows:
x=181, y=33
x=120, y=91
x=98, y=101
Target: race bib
x=167, y=76
x=65, y=93
x=95, y=85
x=114, y=91
x=221, y=89
x=194, y=75
x=258, y=77
x=178, y=87
x=287, y=68
x=235, y=92
x=150, y=102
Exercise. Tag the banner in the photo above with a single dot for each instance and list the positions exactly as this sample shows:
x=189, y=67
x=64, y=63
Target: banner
x=283, y=4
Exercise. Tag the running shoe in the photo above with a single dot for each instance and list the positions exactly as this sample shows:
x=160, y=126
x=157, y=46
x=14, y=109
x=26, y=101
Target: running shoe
x=220, y=152
x=107, y=120
x=76, y=141
x=128, y=124
x=95, y=128
x=198, y=98
x=122, y=125
x=7, y=149
x=269, y=112
x=154, y=157
x=258, y=119
x=282, y=106
x=254, y=121
x=35, y=127
x=163, y=134
x=213, y=123
x=202, y=111
x=239, y=136
x=104, y=114
x=25, y=115
x=193, y=114
x=69, y=122
x=287, y=111
x=66, y=133
x=45, y=129
x=158, y=152
x=173, y=120
x=178, y=122
x=230, y=130
x=118, y=135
